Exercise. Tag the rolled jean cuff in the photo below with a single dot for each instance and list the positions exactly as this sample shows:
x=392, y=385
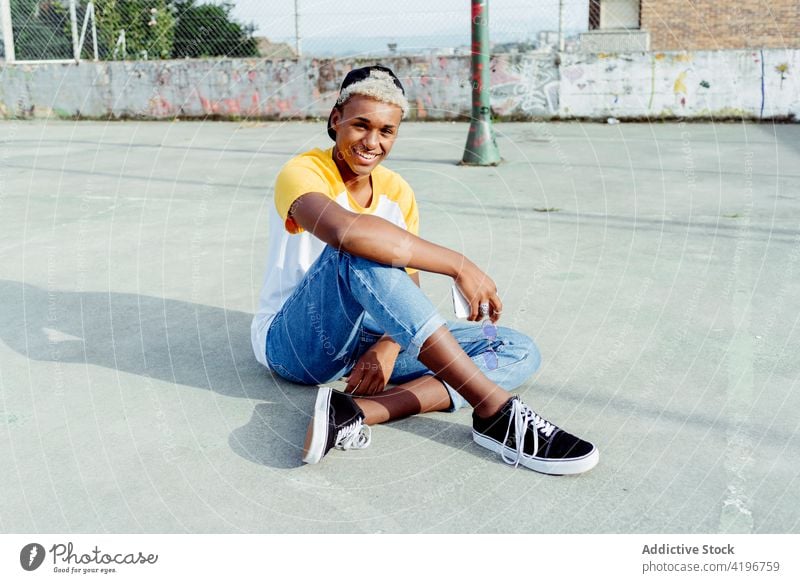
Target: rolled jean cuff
x=429, y=327
x=456, y=400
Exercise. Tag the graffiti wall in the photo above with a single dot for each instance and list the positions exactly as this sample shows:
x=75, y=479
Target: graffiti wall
x=438, y=88
x=750, y=84
x=525, y=87
x=760, y=84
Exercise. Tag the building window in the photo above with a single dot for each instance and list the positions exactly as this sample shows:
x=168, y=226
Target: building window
x=594, y=14
x=615, y=14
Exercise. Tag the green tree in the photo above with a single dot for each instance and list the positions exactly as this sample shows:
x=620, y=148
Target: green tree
x=41, y=30
x=149, y=27
x=209, y=30
x=154, y=29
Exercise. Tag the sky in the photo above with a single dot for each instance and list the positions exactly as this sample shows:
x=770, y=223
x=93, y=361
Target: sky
x=333, y=25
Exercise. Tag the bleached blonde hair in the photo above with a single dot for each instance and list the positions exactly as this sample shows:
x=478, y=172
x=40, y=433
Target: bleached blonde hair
x=379, y=85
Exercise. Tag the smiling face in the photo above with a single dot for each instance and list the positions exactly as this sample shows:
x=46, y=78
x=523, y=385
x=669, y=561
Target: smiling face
x=365, y=133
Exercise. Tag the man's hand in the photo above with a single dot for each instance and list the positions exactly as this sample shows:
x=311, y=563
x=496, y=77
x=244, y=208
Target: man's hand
x=478, y=288
x=374, y=369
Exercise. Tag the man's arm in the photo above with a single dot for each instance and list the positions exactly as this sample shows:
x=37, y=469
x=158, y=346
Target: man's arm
x=377, y=239
x=372, y=237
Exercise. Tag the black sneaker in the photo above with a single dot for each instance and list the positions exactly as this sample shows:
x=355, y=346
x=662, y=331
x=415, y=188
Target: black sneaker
x=543, y=447
x=338, y=422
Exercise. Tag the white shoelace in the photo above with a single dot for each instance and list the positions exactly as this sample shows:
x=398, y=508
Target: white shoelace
x=356, y=435
x=521, y=417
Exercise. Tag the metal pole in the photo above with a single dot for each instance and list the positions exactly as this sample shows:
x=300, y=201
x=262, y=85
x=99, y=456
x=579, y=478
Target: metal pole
x=73, y=17
x=8, y=31
x=94, y=32
x=481, y=147
x=297, y=30
x=561, y=25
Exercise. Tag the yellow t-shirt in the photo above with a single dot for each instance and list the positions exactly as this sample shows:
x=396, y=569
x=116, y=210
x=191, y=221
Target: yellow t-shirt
x=315, y=171
x=292, y=251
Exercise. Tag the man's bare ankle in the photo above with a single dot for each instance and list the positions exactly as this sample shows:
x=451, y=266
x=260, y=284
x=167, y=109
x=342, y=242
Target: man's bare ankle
x=489, y=407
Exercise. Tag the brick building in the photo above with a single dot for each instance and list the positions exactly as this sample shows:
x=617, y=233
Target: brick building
x=694, y=24
x=727, y=24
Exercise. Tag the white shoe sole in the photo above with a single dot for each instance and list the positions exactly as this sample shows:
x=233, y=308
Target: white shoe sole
x=317, y=434
x=542, y=465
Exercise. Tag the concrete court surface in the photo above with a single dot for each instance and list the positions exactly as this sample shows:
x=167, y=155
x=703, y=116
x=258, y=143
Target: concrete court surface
x=656, y=265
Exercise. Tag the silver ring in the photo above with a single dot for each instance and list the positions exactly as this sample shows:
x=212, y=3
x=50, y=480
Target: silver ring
x=484, y=308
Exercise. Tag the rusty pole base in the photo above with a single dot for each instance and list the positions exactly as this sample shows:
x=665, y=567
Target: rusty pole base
x=481, y=148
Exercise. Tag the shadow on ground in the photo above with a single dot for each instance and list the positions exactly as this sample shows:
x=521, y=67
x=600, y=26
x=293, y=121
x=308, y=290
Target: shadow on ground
x=274, y=435
x=177, y=342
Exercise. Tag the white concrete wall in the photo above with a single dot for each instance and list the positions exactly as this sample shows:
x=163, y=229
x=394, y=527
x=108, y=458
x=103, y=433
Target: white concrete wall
x=707, y=84
x=702, y=85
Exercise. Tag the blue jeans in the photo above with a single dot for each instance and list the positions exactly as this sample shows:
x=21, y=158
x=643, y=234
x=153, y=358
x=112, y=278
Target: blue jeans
x=344, y=304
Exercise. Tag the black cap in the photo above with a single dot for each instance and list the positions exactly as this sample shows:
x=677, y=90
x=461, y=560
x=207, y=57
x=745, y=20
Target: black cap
x=355, y=76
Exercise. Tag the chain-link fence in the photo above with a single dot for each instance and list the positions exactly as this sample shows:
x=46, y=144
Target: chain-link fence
x=164, y=29
x=122, y=29
x=34, y=30
x=40, y=30
x=346, y=28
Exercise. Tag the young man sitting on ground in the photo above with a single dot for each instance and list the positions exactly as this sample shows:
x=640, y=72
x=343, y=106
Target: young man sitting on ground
x=341, y=297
